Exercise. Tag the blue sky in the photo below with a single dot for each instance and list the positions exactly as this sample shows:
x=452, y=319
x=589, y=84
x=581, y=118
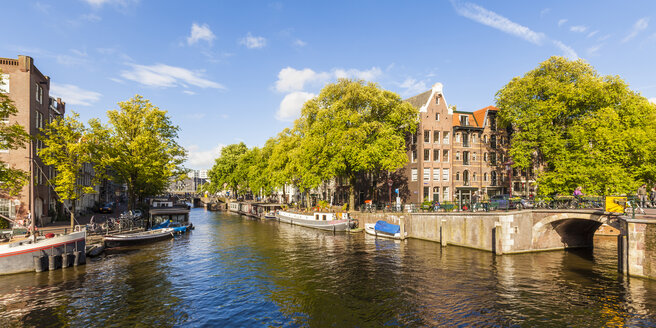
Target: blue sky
x=230, y=71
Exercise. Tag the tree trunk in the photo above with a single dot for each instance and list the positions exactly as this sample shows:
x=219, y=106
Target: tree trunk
x=307, y=197
x=284, y=194
x=72, y=215
x=352, y=193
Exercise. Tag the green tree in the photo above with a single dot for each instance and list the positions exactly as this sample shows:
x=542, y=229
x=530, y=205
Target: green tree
x=223, y=174
x=579, y=128
x=67, y=149
x=352, y=127
x=280, y=164
x=12, y=136
x=139, y=146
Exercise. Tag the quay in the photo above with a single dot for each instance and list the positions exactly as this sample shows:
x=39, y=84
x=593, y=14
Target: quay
x=514, y=232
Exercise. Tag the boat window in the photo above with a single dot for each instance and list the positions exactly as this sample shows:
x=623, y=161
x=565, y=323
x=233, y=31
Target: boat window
x=324, y=217
x=316, y=217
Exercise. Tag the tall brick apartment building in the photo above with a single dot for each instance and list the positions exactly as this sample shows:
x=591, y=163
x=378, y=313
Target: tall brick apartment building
x=456, y=154
x=29, y=89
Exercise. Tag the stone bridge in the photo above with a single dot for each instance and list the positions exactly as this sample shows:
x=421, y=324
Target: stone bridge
x=531, y=231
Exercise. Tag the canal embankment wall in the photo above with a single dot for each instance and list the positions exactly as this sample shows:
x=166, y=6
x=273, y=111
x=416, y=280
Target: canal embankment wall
x=637, y=248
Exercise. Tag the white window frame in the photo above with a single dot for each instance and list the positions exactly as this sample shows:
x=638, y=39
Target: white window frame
x=413, y=176
x=436, y=174
x=445, y=174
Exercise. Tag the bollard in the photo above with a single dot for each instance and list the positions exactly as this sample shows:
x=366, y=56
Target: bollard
x=497, y=236
x=66, y=260
x=54, y=262
x=39, y=263
x=78, y=258
x=443, y=234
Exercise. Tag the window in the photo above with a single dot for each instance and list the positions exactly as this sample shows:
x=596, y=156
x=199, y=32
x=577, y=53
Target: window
x=445, y=156
x=457, y=137
x=474, y=176
x=39, y=120
x=436, y=136
x=493, y=159
x=445, y=192
x=437, y=116
x=426, y=190
x=437, y=99
x=457, y=156
x=414, y=155
x=426, y=135
x=484, y=157
x=493, y=123
x=457, y=176
x=436, y=155
x=465, y=139
x=426, y=174
x=445, y=137
x=4, y=83
x=414, y=138
x=485, y=139
x=473, y=138
x=465, y=158
x=493, y=142
x=8, y=207
x=445, y=174
x=436, y=194
x=464, y=120
x=474, y=157
x=465, y=178
x=426, y=155
x=493, y=176
x=436, y=174
x=485, y=177
x=414, y=175
x=39, y=93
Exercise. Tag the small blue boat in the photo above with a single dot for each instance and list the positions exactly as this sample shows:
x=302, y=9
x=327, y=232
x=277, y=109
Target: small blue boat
x=384, y=229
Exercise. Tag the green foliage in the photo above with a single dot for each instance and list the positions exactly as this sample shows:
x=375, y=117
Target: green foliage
x=4, y=224
x=139, y=145
x=12, y=136
x=581, y=128
x=224, y=173
x=67, y=149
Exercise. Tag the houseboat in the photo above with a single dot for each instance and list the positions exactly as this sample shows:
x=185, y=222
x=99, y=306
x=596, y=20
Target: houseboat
x=318, y=220
x=166, y=211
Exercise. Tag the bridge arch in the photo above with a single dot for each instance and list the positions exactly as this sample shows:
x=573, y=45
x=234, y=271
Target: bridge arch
x=567, y=229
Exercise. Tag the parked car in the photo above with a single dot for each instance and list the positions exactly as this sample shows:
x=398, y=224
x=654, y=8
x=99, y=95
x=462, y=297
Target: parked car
x=503, y=201
x=106, y=208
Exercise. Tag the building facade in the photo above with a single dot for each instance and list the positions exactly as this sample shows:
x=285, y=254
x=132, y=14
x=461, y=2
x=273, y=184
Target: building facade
x=29, y=90
x=455, y=155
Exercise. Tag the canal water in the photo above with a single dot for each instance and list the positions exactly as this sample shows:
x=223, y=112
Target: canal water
x=235, y=271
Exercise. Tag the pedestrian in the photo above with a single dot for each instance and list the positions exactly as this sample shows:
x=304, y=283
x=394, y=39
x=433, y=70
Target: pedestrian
x=486, y=201
x=642, y=195
x=653, y=196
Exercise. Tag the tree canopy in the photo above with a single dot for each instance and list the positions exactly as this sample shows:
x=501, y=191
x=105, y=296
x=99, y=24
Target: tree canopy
x=67, y=149
x=139, y=146
x=579, y=128
x=351, y=127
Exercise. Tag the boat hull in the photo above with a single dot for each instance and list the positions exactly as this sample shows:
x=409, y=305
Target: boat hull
x=330, y=225
x=369, y=229
x=138, y=238
x=20, y=257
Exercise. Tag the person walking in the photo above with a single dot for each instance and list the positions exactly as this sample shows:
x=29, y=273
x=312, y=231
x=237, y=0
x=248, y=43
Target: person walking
x=653, y=196
x=642, y=195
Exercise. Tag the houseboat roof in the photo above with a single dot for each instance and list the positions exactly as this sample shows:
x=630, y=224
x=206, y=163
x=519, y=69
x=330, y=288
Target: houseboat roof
x=169, y=210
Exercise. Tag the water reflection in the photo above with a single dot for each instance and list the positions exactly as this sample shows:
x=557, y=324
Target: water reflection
x=233, y=271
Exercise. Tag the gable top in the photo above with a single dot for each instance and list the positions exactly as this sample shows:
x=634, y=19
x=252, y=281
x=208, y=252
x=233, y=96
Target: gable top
x=422, y=100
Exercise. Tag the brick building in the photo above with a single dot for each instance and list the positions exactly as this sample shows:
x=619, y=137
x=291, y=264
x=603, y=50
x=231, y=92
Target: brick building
x=455, y=154
x=29, y=90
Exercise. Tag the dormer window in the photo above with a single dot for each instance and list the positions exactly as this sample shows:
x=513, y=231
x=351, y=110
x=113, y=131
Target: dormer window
x=464, y=120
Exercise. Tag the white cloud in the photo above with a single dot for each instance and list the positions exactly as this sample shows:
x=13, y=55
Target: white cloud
x=545, y=11
x=567, y=50
x=160, y=75
x=291, y=79
x=367, y=75
x=199, y=32
x=593, y=33
x=202, y=159
x=494, y=20
x=578, y=28
x=639, y=26
x=189, y=92
x=652, y=100
x=562, y=22
x=253, y=42
x=100, y=3
x=413, y=86
x=91, y=18
x=290, y=106
x=74, y=95
x=300, y=43
x=594, y=50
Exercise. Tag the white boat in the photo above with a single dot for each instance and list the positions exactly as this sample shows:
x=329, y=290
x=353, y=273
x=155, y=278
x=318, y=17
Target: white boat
x=145, y=237
x=270, y=215
x=318, y=220
x=19, y=256
x=370, y=228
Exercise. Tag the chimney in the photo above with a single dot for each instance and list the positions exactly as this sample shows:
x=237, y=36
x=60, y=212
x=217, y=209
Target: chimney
x=25, y=63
